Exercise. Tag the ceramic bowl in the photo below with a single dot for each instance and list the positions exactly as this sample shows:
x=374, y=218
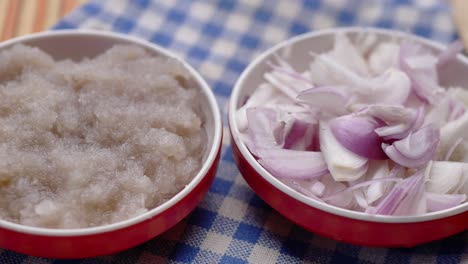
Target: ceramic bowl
x=107, y=239
x=324, y=219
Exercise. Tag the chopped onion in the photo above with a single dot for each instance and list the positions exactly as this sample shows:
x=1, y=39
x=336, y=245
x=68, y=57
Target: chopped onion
x=457, y=109
x=367, y=127
x=318, y=188
x=263, y=129
x=438, y=202
x=302, y=136
x=363, y=141
x=343, y=164
x=450, y=52
x=439, y=114
x=416, y=149
x=452, y=149
x=329, y=99
x=405, y=198
x=345, y=53
x=260, y=96
x=392, y=87
x=303, y=187
x=281, y=85
x=311, y=188
x=332, y=186
x=286, y=163
x=446, y=177
x=363, y=184
x=378, y=170
x=383, y=57
x=341, y=75
x=423, y=80
x=400, y=121
x=365, y=42
x=451, y=132
x=460, y=94
x=421, y=62
x=289, y=72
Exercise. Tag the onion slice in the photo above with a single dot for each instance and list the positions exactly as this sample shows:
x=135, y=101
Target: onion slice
x=263, y=129
x=400, y=121
x=263, y=94
x=281, y=85
x=446, y=177
x=405, y=198
x=452, y=149
x=343, y=164
x=391, y=87
x=361, y=185
x=349, y=55
x=293, y=164
x=346, y=200
x=383, y=57
x=450, y=133
x=357, y=134
x=302, y=135
x=377, y=170
x=304, y=187
x=290, y=73
x=423, y=80
x=416, y=149
x=438, y=202
x=450, y=53
x=329, y=99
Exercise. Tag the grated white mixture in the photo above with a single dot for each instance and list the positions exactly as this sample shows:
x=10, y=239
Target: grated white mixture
x=95, y=142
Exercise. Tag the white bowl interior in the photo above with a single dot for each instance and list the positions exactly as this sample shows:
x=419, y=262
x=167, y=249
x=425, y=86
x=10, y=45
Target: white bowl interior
x=297, y=52
x=78, y=44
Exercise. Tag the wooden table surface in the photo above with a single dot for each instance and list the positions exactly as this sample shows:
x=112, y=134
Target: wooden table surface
x=20, y=17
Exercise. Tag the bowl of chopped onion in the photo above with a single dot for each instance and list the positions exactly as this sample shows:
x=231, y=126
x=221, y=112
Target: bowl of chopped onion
x=357, y=134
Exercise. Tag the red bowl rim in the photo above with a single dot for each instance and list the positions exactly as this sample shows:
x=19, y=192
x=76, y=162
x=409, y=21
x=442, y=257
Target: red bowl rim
x=210, y=157
x=233, y=105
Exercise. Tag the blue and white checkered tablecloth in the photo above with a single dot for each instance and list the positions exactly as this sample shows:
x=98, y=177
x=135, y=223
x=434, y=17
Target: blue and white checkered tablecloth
x=219, y=38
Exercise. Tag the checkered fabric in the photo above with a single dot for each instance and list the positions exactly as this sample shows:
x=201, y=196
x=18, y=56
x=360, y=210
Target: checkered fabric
x=219, y=38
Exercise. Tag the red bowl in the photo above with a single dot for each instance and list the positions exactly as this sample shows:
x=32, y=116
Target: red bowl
x=102, y=240
x=327, y=220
